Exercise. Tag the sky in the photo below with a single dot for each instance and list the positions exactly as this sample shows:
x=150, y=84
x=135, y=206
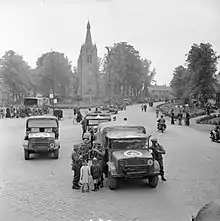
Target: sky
x=162, y=30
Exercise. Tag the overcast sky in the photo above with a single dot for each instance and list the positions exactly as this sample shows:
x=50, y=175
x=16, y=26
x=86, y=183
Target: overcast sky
x=162, y=30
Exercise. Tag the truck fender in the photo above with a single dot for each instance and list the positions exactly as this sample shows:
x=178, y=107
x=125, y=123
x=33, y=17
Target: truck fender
x=156, y=166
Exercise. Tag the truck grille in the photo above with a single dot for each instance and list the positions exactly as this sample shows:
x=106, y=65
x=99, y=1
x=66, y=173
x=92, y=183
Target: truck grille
x=136, y=161
x=40, y=143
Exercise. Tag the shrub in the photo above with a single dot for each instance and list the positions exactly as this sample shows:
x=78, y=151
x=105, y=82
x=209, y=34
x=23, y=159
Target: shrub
x=208, y=119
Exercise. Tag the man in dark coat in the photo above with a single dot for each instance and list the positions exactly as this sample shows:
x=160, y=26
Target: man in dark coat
x=76, y=165
x=157, y=152
x=172, y=117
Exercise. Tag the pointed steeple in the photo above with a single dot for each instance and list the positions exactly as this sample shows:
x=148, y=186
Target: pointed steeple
x=88, y=35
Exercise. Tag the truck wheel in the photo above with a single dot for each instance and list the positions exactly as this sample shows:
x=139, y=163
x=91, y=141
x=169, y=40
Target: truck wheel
x=26, y=155
x=153, y=181
x=113, y=183
x=56, y=154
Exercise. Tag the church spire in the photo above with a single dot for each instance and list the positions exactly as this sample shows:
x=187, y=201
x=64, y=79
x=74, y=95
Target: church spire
x=88, y=35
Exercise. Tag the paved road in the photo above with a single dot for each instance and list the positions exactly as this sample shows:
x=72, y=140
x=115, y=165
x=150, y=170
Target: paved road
x=40, y=189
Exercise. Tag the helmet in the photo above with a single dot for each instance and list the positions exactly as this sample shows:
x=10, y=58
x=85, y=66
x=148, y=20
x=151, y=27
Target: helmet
x=154, y=140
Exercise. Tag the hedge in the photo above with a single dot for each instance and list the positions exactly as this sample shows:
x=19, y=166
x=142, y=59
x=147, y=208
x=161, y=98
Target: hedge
x=207, y=119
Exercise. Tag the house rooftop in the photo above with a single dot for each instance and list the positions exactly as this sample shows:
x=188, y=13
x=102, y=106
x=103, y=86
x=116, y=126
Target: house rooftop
x=160, y=87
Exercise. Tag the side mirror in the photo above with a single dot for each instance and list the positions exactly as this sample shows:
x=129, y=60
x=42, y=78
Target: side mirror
x=193, y=219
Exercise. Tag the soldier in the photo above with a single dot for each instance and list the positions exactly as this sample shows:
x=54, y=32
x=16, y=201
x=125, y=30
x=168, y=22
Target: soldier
x=99, y=153
x=157, y=151
x=76, y=165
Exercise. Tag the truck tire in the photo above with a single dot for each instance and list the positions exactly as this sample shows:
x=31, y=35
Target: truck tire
x=56, y=154
x=26, y=155
x=113, y=183
x=153, y=181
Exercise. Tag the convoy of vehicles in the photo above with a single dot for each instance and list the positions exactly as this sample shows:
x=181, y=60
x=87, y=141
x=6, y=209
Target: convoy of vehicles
x=41, y=135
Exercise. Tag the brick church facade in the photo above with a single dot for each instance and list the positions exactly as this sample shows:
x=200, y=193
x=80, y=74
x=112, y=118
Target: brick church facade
x=88, y=68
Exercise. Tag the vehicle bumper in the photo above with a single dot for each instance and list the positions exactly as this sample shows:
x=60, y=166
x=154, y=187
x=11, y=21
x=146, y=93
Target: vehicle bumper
x=41, y=149
x=136, y=175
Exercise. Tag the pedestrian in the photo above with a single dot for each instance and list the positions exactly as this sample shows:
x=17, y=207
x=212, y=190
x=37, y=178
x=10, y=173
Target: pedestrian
x=172, y=117
x=157, y=112
x=84, y=176
x=84, y=126
x=157, y=152
x=76, y=165
x=96, y=173
x=180, y=117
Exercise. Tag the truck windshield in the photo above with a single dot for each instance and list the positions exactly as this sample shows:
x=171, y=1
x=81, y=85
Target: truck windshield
x=39, y=123
x=129, y=144
x=97, y=121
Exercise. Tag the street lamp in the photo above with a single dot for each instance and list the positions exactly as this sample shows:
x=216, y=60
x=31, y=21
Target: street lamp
x=109, y=79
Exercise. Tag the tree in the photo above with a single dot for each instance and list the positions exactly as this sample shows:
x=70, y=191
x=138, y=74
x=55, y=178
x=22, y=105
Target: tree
x=127, y=71
x=202, y=63
x=15, y=73
x=54, y=72
x=181, y=82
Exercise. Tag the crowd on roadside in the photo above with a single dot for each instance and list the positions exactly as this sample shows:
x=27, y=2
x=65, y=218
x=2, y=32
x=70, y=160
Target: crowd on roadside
x=21, y=111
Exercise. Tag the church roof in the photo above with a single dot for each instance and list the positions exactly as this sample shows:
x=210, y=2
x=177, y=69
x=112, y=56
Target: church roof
x=88, y=35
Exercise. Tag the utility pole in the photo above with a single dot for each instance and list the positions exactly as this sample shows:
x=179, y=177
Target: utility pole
x=109, y=78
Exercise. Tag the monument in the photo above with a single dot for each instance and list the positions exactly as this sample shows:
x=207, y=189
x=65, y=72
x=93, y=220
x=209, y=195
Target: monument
x=88, y=68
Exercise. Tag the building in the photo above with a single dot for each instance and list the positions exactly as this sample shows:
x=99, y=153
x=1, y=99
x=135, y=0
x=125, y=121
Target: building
x=160, y=92
x=87, y=68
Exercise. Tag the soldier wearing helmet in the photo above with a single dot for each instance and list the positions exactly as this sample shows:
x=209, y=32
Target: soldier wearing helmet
x=76, y=165
x=157, y=152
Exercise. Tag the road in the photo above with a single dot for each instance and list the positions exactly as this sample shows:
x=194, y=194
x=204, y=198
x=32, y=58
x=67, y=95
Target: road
x=40, y=189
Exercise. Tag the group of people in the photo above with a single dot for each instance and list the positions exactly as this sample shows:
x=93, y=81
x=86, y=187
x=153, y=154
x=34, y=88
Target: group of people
x=88, y=163
x=182, y=115
x=21, y=111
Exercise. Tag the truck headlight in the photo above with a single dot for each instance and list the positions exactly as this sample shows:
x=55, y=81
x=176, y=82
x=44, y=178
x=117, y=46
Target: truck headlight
x=25, y=143
x=150, y=162
x=122, y=163
x=52, y=145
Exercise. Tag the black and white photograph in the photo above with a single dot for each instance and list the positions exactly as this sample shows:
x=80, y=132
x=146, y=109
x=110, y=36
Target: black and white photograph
x=110, y=110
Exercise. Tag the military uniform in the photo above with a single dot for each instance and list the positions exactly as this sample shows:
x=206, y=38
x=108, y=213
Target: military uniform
x=76, y=165
x=157, y=153
x=99, y=153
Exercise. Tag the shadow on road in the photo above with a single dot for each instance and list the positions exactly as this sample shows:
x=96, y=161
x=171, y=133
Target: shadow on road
x=41, y=156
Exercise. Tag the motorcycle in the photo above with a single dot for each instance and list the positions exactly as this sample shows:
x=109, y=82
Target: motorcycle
x=161, y=127
x=214, y=137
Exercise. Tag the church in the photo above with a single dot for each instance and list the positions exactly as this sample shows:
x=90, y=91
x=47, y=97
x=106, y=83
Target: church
x=88, y=68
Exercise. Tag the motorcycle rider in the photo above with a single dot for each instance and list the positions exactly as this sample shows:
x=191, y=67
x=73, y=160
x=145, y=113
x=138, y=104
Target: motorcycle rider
x=157, y=152
x=216, y=132
x=161, y=122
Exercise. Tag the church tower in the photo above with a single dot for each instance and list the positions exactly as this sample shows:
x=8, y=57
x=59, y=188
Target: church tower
x=87, y=68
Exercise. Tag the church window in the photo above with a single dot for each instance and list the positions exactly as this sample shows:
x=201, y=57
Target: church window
x=89, y=58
